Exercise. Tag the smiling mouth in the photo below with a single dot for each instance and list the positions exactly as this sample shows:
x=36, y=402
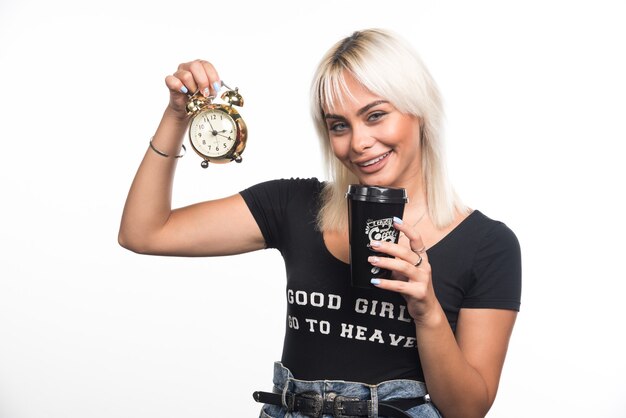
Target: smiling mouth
x=375, y=160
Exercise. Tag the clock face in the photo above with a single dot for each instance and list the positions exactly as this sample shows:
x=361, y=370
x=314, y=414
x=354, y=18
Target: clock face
x=213, y=133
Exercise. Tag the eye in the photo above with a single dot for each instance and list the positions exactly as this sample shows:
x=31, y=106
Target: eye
x=374, y=116
x=337, y=127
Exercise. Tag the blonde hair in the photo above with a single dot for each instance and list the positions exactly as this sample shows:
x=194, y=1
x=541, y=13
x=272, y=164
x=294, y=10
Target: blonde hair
x=389, y=67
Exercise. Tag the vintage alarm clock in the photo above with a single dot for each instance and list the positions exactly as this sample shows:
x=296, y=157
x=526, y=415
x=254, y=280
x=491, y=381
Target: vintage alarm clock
x=217, y=132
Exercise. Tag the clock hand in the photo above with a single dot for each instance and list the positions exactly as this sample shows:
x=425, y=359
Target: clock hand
x=214, y=132
x=212, y=128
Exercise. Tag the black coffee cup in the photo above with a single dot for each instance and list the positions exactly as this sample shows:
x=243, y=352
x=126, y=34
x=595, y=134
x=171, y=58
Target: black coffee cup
x=371, y=210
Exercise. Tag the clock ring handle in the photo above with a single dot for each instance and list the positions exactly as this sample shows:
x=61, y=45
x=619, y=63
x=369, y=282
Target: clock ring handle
x=197, y=100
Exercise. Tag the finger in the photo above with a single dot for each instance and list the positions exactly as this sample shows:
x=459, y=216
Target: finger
x=214, y=78
x=396, y=250
x=201, y=77
x=403, y=267
x=415, y=239
x=204, y=75
x=411, y=289
x=187, y=79
x=175, y=84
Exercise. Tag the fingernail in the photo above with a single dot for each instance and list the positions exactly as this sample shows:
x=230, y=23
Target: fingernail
x=183, y=89
x=397, y=220
x=217, y=86
x=373, y=259
x=375, y=282
x=206, y=92
x=375, y=244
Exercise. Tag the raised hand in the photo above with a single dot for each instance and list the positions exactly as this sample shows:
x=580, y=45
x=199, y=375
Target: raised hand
x=189, y=78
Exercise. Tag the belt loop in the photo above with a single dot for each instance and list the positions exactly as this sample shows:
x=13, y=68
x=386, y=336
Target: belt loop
x=373, y=409
x=287, y=397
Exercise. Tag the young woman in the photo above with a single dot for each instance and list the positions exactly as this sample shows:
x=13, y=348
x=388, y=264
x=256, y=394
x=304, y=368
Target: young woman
x=431, y=341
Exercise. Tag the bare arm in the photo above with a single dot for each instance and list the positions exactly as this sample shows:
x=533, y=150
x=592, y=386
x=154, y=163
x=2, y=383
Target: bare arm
x=149, y=225
x=462, y=372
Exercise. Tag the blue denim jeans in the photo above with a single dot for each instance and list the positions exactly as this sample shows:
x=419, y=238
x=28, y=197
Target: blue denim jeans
x=284, y=383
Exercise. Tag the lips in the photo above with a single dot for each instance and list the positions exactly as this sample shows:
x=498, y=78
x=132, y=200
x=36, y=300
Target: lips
x=374, y=160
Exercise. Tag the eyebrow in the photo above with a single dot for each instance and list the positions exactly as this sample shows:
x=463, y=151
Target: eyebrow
x=360, y=111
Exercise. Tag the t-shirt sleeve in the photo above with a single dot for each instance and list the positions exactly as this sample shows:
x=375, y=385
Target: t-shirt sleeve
x=264, y=201
x=273, y=202
x=496, y=272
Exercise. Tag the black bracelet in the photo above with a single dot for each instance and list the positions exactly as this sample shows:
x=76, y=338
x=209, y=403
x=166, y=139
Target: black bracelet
x=162, y=154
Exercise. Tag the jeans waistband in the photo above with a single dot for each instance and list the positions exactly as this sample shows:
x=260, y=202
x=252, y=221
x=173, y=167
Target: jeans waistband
x=285, y=383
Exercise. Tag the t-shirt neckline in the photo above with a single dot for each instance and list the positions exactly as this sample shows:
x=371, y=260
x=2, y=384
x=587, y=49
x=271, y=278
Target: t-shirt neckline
x=436, y=245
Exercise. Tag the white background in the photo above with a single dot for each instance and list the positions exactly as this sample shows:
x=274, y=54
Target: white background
x=535, y=98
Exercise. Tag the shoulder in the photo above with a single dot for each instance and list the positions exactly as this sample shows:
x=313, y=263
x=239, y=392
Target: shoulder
x=480, y=239
x=491, y=232
x=497, y=247
x=293, y=183
x=306, y=185
x=283, y=191
x=496, y=266
x=278, y=205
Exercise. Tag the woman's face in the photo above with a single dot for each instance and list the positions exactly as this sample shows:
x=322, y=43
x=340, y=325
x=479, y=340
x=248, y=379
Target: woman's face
x=375, y=141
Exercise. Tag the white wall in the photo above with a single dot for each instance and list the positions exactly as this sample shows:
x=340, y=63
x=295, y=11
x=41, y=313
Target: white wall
x=536, y=103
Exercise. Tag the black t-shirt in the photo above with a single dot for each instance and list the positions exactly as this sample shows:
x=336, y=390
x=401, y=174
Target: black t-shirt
x=337, y=332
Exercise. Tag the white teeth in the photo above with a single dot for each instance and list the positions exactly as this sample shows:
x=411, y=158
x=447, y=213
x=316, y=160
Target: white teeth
x=374, y=161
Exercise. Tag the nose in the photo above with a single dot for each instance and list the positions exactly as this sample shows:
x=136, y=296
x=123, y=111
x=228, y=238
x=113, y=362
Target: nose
x=361, y=140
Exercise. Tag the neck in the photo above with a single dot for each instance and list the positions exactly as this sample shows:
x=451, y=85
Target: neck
x=418, y=203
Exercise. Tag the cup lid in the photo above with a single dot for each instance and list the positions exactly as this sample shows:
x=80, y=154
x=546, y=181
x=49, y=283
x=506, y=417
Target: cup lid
x=376, y=194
